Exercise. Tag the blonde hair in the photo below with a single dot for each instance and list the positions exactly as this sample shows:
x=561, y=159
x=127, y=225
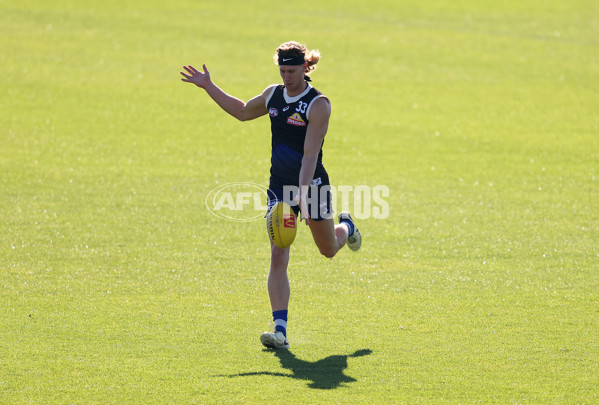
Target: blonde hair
x=295, y=49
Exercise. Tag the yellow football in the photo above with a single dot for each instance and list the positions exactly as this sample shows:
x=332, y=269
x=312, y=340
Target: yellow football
x=281, y=224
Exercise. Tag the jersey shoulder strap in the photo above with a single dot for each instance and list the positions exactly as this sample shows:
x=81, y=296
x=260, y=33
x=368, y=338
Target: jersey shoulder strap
x=276, y=90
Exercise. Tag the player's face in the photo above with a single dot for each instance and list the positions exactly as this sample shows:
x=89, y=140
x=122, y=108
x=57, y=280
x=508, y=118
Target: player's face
x=293, y=78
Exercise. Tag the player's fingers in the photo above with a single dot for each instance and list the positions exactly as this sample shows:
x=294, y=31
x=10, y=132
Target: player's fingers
x=304, y=217
x=190, y=69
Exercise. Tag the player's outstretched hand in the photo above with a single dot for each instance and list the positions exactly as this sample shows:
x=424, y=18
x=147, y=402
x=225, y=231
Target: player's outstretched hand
x=195, y=76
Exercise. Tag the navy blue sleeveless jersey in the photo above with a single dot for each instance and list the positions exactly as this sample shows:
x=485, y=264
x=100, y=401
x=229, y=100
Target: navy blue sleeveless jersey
x=289, y=118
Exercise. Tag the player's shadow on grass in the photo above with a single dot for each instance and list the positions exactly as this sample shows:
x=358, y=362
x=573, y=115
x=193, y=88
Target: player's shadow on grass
x=322, y=374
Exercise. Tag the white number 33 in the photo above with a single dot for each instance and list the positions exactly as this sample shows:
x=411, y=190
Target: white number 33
x=302, y=107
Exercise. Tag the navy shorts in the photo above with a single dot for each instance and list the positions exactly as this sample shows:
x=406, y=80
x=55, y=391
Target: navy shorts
x=319, y=200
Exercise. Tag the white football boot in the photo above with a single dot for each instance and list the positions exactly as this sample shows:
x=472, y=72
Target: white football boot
x=354, y=241
x=274, y=340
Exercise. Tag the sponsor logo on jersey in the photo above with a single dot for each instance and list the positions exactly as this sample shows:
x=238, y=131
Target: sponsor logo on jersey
x=296, y=120
x=288, y=221
x=273, y=112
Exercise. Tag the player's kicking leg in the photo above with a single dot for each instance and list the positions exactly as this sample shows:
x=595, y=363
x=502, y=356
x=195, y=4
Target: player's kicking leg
x=330, y=238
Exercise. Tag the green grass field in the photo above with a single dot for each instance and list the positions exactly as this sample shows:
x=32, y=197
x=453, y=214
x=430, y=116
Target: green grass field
x=119, y=286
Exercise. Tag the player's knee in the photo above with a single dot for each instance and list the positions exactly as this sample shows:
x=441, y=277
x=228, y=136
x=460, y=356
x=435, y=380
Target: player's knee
x=279, y=256
x=328, y=252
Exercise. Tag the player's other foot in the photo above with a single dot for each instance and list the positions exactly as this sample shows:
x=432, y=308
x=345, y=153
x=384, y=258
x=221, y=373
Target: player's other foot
x=274, y=340
x=354, y=240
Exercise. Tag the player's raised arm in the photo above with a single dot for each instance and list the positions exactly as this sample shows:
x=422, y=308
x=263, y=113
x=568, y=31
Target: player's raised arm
x=254, y=108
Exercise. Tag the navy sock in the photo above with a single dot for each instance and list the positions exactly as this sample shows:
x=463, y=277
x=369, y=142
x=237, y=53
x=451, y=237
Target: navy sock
x=280, y=318
x=350, y=226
